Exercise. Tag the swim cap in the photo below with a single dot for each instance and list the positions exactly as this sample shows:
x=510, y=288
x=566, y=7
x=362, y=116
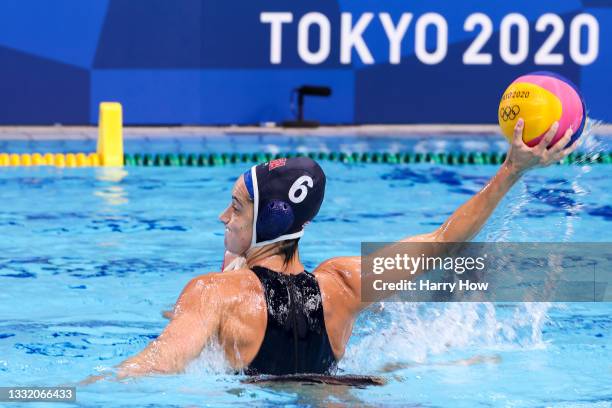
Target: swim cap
x=287, y=194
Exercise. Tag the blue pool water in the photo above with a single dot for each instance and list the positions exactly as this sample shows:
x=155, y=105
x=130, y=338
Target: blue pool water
x=90, y=257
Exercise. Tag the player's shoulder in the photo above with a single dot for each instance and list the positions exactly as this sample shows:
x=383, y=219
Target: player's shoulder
x=344, y=271
x=340, y=264
x=221, y=287
x=228, y=278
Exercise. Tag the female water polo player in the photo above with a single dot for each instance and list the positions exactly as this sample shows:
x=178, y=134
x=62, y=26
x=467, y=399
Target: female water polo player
x=267, y=313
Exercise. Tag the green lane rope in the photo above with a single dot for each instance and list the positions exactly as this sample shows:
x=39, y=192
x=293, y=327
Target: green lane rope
x=220, y=159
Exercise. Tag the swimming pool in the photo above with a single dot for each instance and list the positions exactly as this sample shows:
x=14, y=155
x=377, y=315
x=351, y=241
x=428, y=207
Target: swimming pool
x=90, y=257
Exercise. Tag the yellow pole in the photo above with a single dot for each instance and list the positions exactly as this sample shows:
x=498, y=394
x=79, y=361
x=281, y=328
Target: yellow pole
x=110, y=134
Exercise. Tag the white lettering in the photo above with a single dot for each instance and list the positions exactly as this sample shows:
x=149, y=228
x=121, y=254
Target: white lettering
x=467, y=285
x=583, y=51
x=403, y=284
x=324, y=38
x=545, y=56
x=473, y=55
x=377, y=267
x=395, y=34
x=420, y=41
x=276, y=20
x=416, y=264
x=428, y=285
x=592, y=27
x=299, y=185
x=520, y=22
x=351, y=37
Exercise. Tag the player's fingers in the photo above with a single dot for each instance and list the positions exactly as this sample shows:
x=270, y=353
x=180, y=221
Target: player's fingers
x=561, y=154
x=518, y=133
x=561, y=143
x=548, y=136
x=572, y=148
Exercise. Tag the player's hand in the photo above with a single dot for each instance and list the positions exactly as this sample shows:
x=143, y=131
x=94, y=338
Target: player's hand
x=521, y=157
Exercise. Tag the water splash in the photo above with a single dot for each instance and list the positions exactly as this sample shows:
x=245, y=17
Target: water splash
x=394, y=333
x=590, y=143
x=410, y=334
x=211, y=361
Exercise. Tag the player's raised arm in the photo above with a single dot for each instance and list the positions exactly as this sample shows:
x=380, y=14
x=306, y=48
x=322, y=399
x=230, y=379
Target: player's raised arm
x=467, y=220
x=470, y=217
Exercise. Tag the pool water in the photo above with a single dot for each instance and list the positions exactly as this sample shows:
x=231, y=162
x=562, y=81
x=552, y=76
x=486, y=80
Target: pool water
x=89, y=258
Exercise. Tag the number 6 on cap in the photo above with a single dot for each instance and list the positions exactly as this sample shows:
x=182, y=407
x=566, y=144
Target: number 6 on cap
x=298, y=185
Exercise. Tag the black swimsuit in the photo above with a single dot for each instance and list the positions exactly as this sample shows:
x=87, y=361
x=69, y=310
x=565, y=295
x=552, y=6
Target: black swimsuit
x=296, y=338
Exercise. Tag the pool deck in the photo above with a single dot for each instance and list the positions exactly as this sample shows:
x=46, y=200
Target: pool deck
x=91, y=132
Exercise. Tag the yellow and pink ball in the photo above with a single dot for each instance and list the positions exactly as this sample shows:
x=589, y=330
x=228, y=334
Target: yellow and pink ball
x=541, y=98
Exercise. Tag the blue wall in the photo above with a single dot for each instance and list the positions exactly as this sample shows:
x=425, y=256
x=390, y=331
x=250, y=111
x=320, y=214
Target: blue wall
x=210, y=62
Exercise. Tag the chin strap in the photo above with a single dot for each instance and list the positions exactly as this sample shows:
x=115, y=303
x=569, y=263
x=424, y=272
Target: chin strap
x=238, y=263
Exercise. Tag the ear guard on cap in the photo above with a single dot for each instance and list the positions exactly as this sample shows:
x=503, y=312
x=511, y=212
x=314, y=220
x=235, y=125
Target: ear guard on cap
x=274, y=219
